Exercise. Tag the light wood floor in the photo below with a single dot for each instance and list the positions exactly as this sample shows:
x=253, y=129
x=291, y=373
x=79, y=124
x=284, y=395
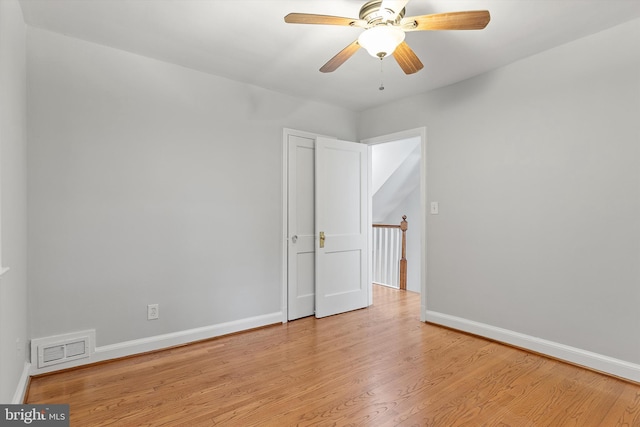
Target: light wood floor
x=376, y=367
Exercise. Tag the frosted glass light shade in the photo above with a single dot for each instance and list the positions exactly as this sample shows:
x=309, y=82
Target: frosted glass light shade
x=381, y=40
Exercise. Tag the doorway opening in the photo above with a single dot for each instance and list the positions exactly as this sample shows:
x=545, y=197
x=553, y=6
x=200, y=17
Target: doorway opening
x=417, y=219
x=398, y=187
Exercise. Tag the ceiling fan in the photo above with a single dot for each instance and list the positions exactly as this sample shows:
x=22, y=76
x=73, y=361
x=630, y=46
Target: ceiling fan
x=385, y=26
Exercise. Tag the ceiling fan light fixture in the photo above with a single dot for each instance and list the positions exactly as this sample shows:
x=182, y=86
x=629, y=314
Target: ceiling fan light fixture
x=381, y=40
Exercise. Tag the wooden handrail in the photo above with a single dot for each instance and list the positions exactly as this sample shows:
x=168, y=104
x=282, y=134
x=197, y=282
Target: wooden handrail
x=404, y=225
x=385, y=225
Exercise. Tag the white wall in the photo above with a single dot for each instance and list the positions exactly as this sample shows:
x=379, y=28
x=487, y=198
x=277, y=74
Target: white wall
x=13, y=283
x=153, y=183
x=387, y=157
x=536, y=167
x=396, y=168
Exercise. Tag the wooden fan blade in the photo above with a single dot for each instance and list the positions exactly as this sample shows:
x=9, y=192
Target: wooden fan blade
x=340, y=58
x=407, y=59
x=310, y=18
x=471, y=20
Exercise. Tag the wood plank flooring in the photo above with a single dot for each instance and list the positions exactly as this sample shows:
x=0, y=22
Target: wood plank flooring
x=374, y=367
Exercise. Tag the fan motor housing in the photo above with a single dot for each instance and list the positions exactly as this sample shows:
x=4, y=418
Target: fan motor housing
x=372, y=13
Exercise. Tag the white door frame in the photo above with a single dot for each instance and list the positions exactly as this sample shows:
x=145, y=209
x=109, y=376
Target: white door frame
x=410, y=133
x=422, y=134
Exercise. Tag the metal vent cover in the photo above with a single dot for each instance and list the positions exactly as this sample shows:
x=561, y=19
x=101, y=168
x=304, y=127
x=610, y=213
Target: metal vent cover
x=62, y=348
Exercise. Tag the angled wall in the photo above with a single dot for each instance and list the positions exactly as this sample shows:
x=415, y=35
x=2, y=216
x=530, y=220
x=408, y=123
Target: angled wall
x=395, y=174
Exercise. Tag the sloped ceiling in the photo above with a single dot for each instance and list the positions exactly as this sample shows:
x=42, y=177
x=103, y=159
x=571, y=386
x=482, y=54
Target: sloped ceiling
x=398, y=185
x=248, y=41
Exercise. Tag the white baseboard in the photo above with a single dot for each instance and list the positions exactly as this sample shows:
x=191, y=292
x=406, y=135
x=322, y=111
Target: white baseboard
x=599, y=362
x=158, y=342
x=19, y=395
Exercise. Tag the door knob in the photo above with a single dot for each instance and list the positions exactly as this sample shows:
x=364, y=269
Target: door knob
x=322, y=239
x=294, y=238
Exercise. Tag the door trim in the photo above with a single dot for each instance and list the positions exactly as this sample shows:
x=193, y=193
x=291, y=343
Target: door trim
x=410, y=133
x=420, y=132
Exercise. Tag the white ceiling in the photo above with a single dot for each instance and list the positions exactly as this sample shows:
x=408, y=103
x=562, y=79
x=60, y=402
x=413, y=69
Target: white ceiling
x=248, y=41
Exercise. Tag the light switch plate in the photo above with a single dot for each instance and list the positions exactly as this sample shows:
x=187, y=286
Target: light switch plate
x=434, y=208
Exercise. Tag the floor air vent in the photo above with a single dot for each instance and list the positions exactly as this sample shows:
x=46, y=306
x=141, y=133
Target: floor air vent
x=63, y=348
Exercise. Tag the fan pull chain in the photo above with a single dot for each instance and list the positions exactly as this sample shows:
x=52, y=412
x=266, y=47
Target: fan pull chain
x=381, y=77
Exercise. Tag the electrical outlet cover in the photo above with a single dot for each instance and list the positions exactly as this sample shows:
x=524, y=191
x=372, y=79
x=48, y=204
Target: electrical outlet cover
x=153, y=312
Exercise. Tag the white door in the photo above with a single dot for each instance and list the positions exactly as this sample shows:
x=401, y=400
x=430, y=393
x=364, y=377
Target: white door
x=341, y=214
x=301, y=226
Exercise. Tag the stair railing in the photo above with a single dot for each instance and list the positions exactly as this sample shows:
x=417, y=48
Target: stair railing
x=390, y=254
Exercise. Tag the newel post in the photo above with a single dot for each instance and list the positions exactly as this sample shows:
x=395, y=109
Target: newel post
x=403, y=261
